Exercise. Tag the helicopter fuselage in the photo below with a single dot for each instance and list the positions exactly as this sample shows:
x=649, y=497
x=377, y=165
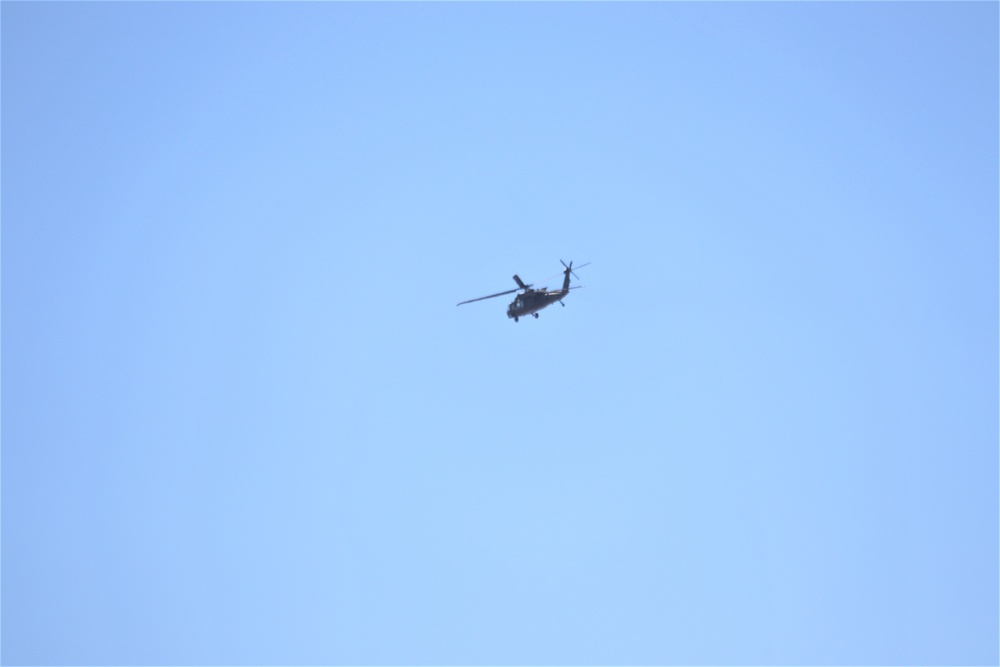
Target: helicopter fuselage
x=529, y=300
x=532, y=301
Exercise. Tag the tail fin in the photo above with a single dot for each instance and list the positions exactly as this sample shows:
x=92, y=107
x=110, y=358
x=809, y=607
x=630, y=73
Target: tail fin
x=568, y=271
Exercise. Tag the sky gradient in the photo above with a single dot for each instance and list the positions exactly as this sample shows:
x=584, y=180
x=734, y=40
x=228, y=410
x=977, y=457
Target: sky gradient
x=243, y=421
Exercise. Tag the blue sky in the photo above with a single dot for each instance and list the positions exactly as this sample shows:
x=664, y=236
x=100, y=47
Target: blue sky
x=243, y=421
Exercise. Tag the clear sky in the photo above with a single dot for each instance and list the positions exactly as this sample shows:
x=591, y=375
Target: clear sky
x=244, y=422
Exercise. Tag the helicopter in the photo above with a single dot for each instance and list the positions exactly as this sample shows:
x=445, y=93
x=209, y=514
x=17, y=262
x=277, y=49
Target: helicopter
x=531, y=300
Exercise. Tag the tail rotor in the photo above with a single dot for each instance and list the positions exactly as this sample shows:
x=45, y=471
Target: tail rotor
x=570, y=267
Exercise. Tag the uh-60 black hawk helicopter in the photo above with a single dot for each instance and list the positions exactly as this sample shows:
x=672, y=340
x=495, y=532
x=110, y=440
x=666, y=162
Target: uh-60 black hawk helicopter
x=530, y=301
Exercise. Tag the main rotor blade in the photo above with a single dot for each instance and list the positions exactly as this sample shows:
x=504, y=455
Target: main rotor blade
x=510, y=291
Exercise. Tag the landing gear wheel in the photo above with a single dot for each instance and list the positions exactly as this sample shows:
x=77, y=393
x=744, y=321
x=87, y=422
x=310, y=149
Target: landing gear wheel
x=515, y=319
x=536, y=315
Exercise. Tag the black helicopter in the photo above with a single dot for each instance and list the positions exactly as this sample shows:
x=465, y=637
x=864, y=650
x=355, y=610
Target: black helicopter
x=530, y=301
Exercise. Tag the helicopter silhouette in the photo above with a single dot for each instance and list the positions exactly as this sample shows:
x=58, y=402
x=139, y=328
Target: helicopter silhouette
x=530, y=300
